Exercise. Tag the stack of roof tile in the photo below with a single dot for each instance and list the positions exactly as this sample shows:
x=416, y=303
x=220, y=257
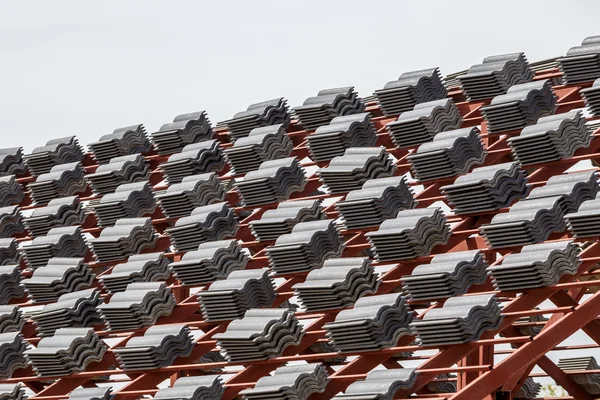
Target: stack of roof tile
x=528, y=390
x=123, y=169
x=450, y=153
x=585, y=222
x=195, y=158
x=184, y=130
x=460, y=320
x=591, y=96
x=306, y=247
x=274, y=181
x=327, y=347
x=552, y=138
x=534, y=218
x=426, y=120
x=375, y=322
x=343, y=132
x=11, y=319
x=380, y=384
x=11, y=192
x=242, y=290
x=206, y=223
x=10, y=283
x=196, y=190
x=262, y=144
x=59, y=276
x=487, y=188
x=59, y=242
x=377, y=200
x=55, y=152
x=266, y=113
x=537, y=265
x=212, y=261
x=141, y=304
x=328, y=104
x=263, y=333
x=590, y=382
x=212, y=357
x=12, y=391
x=574, y=188
x=443, y=384
x=64, y=211
x=355, y=167
x=526, y=222
x=9, y=251
x=159, y=347
x=581, y=63
x=62, y=180
x=526, y=328
x=495, y=75
x=130, y=200
x=522, y=105
x=280, y=221
x=148, y=267
x=76, y=309
x=92, y=393
x=206, y=387
x=69, y=351
x=11, y=161
x=448, y=275
x=297, y=382
x=11, y=221
x=122, y=142
x=127, y=237
x=410, y=89
x=338, y=284
x=412, y=234
x=12, y=348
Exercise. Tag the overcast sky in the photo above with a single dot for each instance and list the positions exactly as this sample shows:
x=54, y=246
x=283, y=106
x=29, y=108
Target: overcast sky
x=83, y=68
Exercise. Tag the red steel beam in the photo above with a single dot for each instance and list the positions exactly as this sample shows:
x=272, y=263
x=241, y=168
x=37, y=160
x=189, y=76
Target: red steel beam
x=542, y=343
x=516, y=381
x=547, y=366
x=498, y=153
x=527, y=301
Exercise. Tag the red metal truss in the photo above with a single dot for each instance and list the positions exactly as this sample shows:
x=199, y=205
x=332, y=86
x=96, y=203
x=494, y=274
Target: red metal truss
x=478, y=377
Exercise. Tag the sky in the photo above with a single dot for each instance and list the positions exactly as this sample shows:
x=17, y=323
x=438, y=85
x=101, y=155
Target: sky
x=84, y=69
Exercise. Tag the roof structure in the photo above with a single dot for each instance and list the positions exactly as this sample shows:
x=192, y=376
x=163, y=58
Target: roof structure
x=349, y=235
